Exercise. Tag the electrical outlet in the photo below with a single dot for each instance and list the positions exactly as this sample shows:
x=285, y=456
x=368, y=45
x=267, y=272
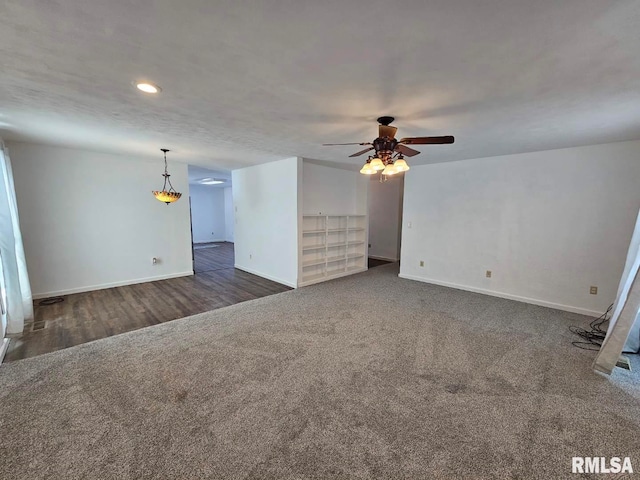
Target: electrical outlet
x=593, y=290
x=155, y=260
x=422, y=263
x=488, y=274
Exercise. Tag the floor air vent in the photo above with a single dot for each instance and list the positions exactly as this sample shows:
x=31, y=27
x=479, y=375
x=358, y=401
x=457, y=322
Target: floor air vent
x=623, y=362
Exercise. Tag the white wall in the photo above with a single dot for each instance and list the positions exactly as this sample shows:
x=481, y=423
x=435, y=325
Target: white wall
x=229, y=217
x=385, y=216
x=547, y=224
x=265, y=198
x=89, y=220
x=328, y=190
x=207, y=213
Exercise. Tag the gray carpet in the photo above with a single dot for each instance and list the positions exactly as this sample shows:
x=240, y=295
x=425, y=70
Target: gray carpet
x=370, y=376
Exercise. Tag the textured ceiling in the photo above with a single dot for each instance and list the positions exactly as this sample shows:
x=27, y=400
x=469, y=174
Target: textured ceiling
x=196, y=174
x=246, y=82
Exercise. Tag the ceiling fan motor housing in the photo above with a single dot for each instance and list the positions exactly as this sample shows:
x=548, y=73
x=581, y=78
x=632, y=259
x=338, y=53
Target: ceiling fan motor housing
x=385, y=147
x=386, y=121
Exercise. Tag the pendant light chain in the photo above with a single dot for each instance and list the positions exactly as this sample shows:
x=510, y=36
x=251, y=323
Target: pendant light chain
x=166, y=174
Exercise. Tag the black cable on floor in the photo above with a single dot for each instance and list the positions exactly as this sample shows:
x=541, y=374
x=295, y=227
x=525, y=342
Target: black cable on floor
x=50, y=301
x=592, y=339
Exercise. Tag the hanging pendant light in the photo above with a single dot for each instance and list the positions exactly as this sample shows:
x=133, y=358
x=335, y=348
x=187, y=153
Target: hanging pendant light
x=166, y=196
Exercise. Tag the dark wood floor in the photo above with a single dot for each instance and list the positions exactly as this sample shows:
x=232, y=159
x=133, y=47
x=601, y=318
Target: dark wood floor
x=213, y=256
x=375, y=262
x=84, y=317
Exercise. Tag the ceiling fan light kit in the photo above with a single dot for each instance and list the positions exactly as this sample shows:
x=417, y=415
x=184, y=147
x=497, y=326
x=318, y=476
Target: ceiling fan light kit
x=401, y=164
x=390, y=153
x=376, y=164
x=390, y=169
x=367, y=169
x=164, y=195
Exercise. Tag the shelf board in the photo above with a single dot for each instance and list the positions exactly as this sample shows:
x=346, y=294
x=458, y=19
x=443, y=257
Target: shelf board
x=329, y=245
x=333, y=230
x=336, y=273
x=322, y=261
x=311, y=263
x=340, y=258
x=353, y=269
x=311, y=278
x=314, y=215
x=313, y=247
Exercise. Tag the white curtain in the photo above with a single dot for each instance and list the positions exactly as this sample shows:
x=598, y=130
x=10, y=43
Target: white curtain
x=633, y=340
x=16, y=291
x=625, y=311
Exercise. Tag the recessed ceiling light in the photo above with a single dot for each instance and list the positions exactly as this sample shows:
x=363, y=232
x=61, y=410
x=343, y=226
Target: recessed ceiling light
x=211, y=181
x=148, y=87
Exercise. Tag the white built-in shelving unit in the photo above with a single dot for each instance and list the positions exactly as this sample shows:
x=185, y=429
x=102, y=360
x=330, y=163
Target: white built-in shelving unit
x=332, y=246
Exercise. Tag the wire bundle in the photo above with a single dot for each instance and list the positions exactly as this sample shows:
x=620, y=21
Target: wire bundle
x=592, y=339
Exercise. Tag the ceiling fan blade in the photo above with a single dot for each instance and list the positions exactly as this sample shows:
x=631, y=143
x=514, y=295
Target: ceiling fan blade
x=387, y=131
x=332, y=144
x=427, y=140
x=357, y=154
x=406, y=151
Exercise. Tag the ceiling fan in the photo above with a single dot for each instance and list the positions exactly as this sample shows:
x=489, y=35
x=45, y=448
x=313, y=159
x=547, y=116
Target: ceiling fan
x=389, y=152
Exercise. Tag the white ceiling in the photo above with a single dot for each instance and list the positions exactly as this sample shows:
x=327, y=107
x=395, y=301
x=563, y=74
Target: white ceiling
x=247, y=82
x=196, y=174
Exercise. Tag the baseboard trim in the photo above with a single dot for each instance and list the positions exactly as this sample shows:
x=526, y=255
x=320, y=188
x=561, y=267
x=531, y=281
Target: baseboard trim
x=4, y=346
x=90, y=288
x=220, y=240
x=264, y=275
x=388, y=259
x=508, y=296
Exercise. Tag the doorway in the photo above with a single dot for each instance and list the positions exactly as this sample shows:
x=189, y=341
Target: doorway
x=212, y=222
x=385, y=219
